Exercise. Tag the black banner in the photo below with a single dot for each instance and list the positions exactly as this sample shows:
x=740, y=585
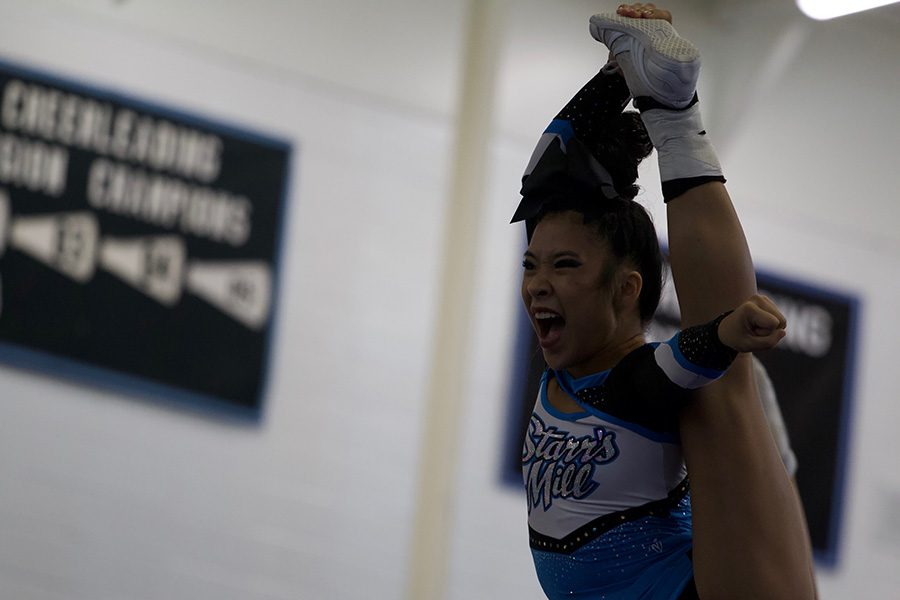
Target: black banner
x=138, y=244
x=811, y=369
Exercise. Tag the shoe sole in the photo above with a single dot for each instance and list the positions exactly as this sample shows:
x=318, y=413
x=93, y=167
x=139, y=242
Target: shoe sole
x=657, y=35
x=669, y=59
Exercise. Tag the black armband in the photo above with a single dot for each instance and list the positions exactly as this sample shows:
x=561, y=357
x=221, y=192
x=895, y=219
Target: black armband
x=701, y=345
x=643, y=103
x=676, y=187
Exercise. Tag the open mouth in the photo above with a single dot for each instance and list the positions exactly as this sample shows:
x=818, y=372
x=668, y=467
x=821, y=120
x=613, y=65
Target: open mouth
x=550, y=326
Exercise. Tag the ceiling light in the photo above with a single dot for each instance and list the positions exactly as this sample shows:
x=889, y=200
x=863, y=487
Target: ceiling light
x=829, y=9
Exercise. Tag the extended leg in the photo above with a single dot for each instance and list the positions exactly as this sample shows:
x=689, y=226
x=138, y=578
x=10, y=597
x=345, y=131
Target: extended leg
x=750, y=539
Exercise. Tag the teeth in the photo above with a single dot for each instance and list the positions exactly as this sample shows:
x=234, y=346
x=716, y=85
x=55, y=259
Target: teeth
x=545, y=315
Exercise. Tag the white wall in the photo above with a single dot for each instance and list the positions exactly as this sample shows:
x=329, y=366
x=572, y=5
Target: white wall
x=103, y=496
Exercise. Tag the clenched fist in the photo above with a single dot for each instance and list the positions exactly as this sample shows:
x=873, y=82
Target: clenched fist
x=757, y=324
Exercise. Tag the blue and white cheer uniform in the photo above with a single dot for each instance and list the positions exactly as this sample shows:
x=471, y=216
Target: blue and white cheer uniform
x=609, y=509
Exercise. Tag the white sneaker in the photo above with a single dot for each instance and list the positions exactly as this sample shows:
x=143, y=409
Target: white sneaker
x=655, y=60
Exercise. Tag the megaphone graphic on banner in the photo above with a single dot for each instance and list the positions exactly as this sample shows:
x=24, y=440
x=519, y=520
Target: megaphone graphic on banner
x=152, y=264
x=240, y=289
x=66, y=242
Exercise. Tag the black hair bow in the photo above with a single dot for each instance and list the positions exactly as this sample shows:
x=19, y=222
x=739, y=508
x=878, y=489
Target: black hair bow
x=562, y=169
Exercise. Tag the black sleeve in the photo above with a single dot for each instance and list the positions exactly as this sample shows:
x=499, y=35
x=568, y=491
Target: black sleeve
x=701, y=346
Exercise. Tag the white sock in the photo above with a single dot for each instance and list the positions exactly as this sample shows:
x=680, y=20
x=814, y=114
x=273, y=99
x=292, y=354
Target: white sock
x=684, y=150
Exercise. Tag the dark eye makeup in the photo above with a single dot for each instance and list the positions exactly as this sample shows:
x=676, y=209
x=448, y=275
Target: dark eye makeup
x=567, y=263
x=562, y=263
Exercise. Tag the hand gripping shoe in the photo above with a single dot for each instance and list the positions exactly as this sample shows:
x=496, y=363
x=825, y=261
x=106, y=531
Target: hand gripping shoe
x=656, y=61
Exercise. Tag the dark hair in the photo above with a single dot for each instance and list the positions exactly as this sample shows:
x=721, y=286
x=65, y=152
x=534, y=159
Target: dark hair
x=622, y=222
x=620, y=145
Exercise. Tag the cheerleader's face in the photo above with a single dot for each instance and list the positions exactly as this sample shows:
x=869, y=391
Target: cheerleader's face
x=568, y=287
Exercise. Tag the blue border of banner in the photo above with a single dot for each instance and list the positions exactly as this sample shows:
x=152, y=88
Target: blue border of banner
x=829, y=557
x=52, y=365
x=512, y=434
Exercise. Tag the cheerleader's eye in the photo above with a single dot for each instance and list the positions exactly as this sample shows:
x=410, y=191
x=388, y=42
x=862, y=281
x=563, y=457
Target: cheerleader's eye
x=567, y=263
x=527, y=265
